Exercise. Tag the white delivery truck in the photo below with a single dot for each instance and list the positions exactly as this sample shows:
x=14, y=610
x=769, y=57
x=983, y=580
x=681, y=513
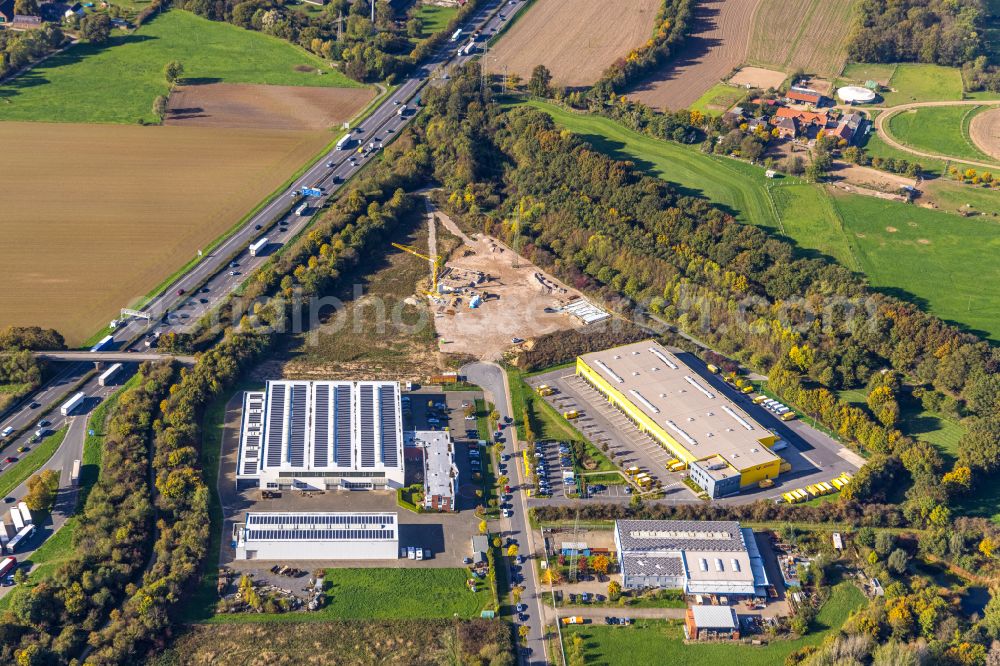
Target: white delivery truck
x=255, y=248
x=109, y=374
x=72, y=403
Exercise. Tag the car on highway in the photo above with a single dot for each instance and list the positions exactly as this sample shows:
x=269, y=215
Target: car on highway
x=257, y=227
x=35, y=405
x=180, y=292
x=22, y=449
x=330, y=165
x=10, y=459
x=203, y=300
x=45, y=422
x=234, y=273
x=9, y=500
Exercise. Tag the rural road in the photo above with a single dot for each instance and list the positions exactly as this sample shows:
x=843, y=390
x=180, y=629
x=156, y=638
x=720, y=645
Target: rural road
x=493, y=381
x=889, y=112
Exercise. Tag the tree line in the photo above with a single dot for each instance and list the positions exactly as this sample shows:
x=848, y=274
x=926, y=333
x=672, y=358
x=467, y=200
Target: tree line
x=942, y=32
x=21, y=48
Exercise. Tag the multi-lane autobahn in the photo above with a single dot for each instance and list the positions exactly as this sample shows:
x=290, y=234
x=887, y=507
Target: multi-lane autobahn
x=218, y=273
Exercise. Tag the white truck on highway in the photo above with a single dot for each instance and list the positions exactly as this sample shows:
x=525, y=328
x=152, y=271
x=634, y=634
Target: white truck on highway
x=455, y=35
x=109, y=374
x=74, y=476
x=301, y=210
x=25, y=513
x=344, y=142
x=255, y=248
x=72, y=403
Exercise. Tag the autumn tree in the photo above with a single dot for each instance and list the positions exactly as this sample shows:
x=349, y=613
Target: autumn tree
x=42, y=489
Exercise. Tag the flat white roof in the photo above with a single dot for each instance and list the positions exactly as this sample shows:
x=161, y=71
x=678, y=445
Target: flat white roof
x=322, y=426
x=689, y=409
x=440, y=471
x=714, y=617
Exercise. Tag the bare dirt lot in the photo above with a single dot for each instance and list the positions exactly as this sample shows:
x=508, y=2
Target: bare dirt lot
x=575, y=39
x=264, y=107
x=718, y=43
x=811, y=34
x=486, y=331
x=124, y=208
x=757, y=77
x=984, y=129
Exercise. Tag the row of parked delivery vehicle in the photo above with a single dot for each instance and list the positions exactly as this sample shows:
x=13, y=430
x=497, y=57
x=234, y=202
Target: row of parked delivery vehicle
x=816, y=489
x=784, y=413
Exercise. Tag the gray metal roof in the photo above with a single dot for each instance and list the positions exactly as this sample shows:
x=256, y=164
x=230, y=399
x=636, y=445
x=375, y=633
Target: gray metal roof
x=639, y=536
x=647, y=565
x=714, y=617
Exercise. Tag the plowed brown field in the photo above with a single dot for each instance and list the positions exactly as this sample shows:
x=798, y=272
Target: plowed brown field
x=811, y=34
x=264, y=107
x=718, y=43
x=575, y=39
x=95, y=216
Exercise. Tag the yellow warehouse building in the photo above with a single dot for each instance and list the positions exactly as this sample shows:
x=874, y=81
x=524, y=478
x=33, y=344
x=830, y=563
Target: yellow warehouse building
x=724, y=448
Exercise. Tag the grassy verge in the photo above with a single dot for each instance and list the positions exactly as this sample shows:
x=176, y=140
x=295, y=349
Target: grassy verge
x=45, y=560
x=656, y=641
x=31, y=462
x=386, y=593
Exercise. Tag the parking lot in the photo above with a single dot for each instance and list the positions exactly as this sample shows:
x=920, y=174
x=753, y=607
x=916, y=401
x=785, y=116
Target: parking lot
x=448, y=536
x=814, y=456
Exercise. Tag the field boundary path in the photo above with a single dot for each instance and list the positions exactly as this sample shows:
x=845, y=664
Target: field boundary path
x=888, y=113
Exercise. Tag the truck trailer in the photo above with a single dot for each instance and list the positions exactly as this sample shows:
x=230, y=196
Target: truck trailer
x=15, y=519
x=72, y=403
x=344, y=142
x=103, y=344
x=109, y=374
x=255, y=248
x=22, y=535
x=74, y=476
x=455, y=35
x=7, y=566
x=25, y=513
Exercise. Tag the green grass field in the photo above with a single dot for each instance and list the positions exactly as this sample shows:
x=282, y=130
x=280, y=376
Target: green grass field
x=659, y=642
x=914, y=82
x=117, y=83
x=390, y=593
x=939, y=129
x=876, y=147
x=859, y=72
x=718, y=99
x=435, y=18
x=937, y=259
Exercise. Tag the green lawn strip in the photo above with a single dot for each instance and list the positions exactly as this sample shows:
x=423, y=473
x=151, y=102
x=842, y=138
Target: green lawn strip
x=662, y=642
x=938, y=129
x=859, y=72
x=31, y=462
x=606, y=478
x=117, y=82
x=200, y=605
x=917, y=82
x=435, y=18
x=939, y=259
x=386, y=593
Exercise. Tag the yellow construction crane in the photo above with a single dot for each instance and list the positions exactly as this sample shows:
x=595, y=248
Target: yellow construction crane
x=435, y=262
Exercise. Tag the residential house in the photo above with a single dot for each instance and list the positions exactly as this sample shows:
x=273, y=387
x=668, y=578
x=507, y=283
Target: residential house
x=754, y=123
x=804, y=123
x=75, y=10
x=804, y=96
x=849, y=128
x=787, y=128
x=734, y=116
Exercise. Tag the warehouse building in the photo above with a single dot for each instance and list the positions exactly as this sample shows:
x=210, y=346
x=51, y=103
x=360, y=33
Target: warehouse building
x=438, y=461
x=322, y=435
x=317, y=536
x=713, y=558
x=723, y=447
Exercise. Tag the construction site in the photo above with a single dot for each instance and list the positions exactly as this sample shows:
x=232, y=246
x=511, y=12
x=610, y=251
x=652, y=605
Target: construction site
x=486, y=298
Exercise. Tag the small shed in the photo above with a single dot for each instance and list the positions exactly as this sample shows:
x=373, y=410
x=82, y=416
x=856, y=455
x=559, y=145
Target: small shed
x=569, y=548
x=711, y=622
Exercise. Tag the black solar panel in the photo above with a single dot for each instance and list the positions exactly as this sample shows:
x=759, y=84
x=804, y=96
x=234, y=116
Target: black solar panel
x=387, y=416
x=280, y=519
x=250, y=457
x=308, y=535
x=275, y=425
x=367, y=425
x=297, y=434
x=321, y=425
x=342, y=434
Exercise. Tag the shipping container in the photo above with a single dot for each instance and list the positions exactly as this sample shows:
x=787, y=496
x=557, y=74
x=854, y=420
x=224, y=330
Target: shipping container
x=25, y=513
x=72, y=403
x=109, y=374
x=255, y=248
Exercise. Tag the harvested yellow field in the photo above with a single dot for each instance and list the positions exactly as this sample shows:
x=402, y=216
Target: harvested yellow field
x=95, y=216
x=811, y=35
x=576, y=39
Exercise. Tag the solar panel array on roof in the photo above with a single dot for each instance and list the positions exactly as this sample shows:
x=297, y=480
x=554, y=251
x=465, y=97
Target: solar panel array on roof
x=297, y=436
x=294, y=519
x=252, y=431
x=275, y=425
x=342, y=434
x=319, y=535
x=387, y=418
x=321, y=425
x=367, y=425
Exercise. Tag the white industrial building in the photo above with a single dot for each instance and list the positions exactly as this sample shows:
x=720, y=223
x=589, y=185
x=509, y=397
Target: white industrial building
x=322, y=435
x=317, y=536
x=440, y=471
x=708, y=557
